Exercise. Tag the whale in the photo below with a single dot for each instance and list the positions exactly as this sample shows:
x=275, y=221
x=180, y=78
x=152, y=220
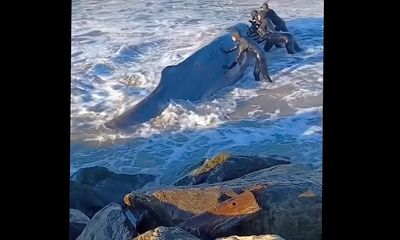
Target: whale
x=197, y=77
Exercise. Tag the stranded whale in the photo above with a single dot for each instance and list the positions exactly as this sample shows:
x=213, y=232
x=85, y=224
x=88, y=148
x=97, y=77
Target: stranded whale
x=199, y=76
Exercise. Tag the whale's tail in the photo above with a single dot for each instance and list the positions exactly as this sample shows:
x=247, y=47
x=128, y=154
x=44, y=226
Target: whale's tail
x=145, y=110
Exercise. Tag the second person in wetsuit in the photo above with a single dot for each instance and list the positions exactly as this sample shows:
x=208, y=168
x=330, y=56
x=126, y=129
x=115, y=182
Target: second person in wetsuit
x=250, y=47
x=252, y=30
x=271, y=38
x=269, y=13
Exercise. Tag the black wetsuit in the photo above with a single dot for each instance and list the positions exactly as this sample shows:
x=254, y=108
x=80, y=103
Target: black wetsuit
x=252, y=30
x=275, y=19
x=272, y=38
x=248, y=45
x=280, y=39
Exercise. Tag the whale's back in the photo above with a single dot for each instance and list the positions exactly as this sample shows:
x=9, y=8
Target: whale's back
x=200, y=75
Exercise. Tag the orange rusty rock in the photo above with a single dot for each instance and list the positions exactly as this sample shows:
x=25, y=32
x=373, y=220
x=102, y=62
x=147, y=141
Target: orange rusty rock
x=221, y=218
x=243, y=204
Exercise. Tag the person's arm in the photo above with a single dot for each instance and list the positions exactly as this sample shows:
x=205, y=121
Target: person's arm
x=238, y=57
x=231, y=50
x=262, y=29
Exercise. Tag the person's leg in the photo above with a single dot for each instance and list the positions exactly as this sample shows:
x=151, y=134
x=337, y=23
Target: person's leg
x=283, y=38
x=257, y=72
x=264, y=69
x=268, y=45
x=296, y=46
x=289, y=44
x=280, y=38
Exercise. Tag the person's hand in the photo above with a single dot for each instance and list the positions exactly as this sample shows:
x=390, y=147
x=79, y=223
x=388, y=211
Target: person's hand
x=260, y=40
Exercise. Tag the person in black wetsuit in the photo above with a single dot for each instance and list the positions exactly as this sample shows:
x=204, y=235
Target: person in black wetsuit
x=269, y=13
x=271, y=38
x=252, y=30
x=249, y=46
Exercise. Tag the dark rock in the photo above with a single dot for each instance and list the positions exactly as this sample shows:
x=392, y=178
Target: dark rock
x=225, y=167
x=109, y=223
x=94, y=187
x=148, y=212
x=111, y=186
x=77, y=222
x=292, y=204
x=186, y=172
x=166, y=233
x=85, y=198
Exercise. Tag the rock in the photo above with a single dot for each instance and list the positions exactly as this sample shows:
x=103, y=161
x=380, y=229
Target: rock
x=186, y=172
x=292, y=204
x=148, y=212
x=77, y=222
x=287, y=213
x=259, y=237
x=93, y=188
x=290, y=196
x=110, y=186
x=85, y=198
x=219, y=220
x=184, y=203
x=225, y=167
x=166, y=233
x=109, y=223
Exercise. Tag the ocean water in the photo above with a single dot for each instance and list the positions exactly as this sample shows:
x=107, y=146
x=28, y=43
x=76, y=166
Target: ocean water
x=119, y=48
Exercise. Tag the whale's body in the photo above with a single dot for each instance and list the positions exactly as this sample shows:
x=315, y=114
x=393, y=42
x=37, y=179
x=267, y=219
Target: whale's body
x=199, y=76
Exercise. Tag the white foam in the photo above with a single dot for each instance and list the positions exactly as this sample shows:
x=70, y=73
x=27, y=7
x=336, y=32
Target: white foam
x=164, y=154
x=312, y=130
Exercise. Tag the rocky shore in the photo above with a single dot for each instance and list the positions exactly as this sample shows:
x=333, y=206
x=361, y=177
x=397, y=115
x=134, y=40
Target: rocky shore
x=226, y=197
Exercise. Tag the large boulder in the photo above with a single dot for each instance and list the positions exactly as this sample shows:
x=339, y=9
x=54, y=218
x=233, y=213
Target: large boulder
x=292, y=204
x=225, y=167
x=221, y=219
x=85, y=198
x=109, y=223
x=290, y=196
x=184, y=203
x=93, y=188
x=77, y=222
x=166, y=233
x=109, y=185
x=147, y=212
